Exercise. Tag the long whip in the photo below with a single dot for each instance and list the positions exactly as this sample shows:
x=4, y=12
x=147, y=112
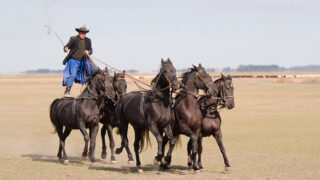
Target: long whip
x=55, y=34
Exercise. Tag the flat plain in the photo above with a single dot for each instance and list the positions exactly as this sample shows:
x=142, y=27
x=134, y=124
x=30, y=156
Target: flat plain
x=272, y=133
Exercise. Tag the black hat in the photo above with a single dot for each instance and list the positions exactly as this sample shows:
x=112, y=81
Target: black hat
x=82, y=29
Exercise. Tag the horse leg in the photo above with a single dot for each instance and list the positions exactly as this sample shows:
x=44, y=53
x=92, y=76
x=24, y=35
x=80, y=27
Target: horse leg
x=200, y=152
x=218, y=137
x=124, y=135
x=93, y=136
x=104, y=147
x=82, y=128
x=59, y=129
x=63, y=137
x=125, y=142
x=165, y=140
x=167, y=159
x=130, y=158
x=154, y=130
x=136, y=148
x=111, y=143
x=189, y=148
x=194, y=138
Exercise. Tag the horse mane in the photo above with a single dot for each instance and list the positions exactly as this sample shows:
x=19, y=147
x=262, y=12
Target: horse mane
x=153, y=81
x=185, y=75
x=98, y=71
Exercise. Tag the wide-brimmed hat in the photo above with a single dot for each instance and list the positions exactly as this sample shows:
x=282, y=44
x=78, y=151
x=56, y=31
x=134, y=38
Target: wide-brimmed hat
x=82, y=29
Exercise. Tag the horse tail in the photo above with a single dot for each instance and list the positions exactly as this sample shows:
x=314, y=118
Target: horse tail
x=144, y=138
x=52, y=115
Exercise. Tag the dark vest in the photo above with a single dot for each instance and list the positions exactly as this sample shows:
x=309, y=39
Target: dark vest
x=76, y=51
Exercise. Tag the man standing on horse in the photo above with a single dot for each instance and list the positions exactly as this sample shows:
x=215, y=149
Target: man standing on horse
x=79, y=67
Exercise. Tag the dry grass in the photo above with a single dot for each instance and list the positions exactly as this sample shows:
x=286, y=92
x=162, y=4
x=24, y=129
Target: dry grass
x=299, y=80
x=273, y=133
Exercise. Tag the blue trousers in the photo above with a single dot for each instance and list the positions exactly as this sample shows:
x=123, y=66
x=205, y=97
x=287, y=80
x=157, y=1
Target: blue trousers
x=77, y=71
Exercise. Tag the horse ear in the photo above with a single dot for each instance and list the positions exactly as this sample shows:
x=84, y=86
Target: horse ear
x=123, y=72
x=169, y=60
x=162, y=61
x=223, y=76
x=200, y=66
x=99, y=71
x=195, y=67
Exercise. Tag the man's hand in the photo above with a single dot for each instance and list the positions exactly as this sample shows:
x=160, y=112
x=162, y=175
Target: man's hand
x=86, y=52
x=66, y=49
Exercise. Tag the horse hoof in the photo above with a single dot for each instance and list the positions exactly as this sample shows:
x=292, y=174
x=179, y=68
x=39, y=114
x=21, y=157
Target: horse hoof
x=140, y=171
x=118, y=151
x=228, y=170
x=113, y=161
x=197, y=171
x=130, y=162
x=84, y=158
x=163, y=161
x=66, y=161
x=155, y=162
x=202, y=169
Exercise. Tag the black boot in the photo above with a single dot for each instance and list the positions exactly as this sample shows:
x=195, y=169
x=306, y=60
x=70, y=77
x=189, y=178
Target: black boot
x=67, y=91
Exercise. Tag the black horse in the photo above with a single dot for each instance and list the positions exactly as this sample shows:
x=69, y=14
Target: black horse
x=149, y=110
x=79, y=113
x=120, y=87
x=211, y=122
x=186, y=108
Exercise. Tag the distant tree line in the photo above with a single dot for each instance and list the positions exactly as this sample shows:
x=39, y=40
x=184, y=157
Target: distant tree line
x=271, y=68
x=42, y=71
x=240, y=68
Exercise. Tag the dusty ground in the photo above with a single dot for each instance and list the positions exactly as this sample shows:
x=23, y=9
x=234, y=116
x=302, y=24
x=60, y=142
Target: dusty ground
x=273, y=133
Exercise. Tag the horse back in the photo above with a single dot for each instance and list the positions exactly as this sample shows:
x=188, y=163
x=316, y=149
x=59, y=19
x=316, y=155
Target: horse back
x=130, y=107
x=62, y=112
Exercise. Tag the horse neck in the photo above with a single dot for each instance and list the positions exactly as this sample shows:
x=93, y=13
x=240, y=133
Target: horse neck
x=87, y=93
x=190, y=83
x=161, y=84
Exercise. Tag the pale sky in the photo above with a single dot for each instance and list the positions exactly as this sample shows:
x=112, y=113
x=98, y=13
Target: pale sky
x=135, y=34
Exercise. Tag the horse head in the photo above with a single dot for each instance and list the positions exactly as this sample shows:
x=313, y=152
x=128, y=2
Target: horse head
x=204, y=81
x=96, y=84
x=169, y=73
x=119, y=83
x=226, y=90
x=108, y=83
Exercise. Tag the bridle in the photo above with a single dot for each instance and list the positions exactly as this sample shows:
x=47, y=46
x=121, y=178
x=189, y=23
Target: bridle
x=169, y=81
x=116, y=84
x=97, y=96
x=207, y=85
x=223, y=94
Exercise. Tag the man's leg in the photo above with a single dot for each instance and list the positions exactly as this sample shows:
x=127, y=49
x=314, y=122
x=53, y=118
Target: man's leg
x=69, y=75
